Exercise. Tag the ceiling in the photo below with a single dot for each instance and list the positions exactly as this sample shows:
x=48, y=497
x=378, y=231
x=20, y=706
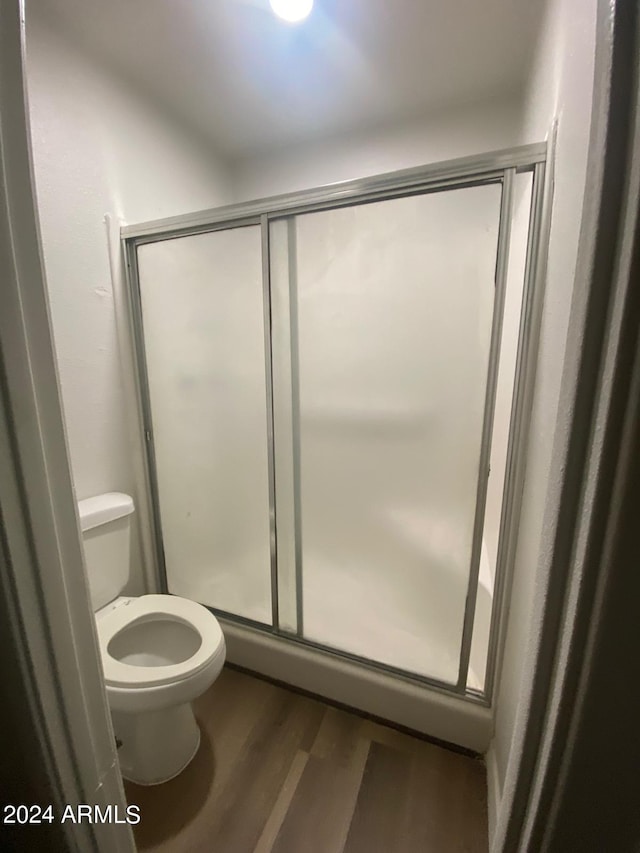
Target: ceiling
x=233, y=72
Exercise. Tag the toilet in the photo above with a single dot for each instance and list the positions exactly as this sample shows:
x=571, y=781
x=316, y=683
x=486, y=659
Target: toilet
x=159, y=652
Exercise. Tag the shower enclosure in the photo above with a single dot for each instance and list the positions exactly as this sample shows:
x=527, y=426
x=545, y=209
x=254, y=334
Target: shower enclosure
x=333, y=401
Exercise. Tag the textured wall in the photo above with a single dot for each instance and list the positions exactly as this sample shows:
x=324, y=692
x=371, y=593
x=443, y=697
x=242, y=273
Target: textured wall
x=561, y=86
x=99, y=149
x=446, y=134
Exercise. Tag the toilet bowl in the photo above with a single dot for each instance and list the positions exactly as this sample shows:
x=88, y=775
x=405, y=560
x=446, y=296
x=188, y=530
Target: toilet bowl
x=159, y=652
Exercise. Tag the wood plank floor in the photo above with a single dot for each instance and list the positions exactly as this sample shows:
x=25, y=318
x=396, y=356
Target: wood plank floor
x=278, y=772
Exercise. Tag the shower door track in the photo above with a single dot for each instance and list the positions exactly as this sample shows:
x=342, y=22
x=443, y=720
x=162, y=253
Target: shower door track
x=498, y=167
x=475, y=696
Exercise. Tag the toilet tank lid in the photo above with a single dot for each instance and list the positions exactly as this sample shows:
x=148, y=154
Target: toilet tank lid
x=103, y=508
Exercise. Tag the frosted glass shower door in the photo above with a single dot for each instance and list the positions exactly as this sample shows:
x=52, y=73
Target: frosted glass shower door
x=391, y=310
x=202, y=316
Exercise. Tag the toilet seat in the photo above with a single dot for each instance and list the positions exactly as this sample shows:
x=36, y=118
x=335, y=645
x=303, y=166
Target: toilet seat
x=150, y=608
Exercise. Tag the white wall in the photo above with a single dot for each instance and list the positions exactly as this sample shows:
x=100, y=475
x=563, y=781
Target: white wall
x=448, y=134
x=561, y=85
x=99, y=148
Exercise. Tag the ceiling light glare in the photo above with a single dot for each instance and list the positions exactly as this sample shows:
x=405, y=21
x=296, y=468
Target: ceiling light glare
x=292, y=11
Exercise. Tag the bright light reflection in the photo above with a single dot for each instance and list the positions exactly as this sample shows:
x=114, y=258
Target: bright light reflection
x=292, y=11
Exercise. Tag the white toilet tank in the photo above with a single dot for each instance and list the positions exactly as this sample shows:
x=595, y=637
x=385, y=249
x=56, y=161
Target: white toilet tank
x=105, y=521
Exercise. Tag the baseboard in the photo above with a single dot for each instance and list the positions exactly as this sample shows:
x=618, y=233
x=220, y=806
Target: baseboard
x=380, y=694
x=494, y=791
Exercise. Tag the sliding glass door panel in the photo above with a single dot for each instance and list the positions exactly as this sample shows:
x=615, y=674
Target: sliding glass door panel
x=202, y=314
x=393, y=317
